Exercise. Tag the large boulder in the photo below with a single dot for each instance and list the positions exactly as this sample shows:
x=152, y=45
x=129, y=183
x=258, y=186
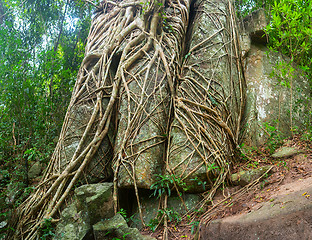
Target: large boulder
x=269, y=101
x=145, y=106
x=96, y=200
x=254, y=25
x=74, y=224
x=99, y=167
x=210, y=99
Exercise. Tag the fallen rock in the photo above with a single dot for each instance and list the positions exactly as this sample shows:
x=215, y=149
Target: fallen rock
x=285, y=152
x=245, y=177
x=285, y=217
x=117, y=227
x=35, y=170
x=96, y=200
x=92, y=203
x=74, y=224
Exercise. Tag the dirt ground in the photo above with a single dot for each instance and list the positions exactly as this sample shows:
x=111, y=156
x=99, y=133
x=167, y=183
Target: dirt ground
x=287, y=175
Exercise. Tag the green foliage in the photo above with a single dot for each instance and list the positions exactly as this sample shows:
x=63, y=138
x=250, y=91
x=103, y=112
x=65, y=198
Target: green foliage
x=47, y=230
x=172, y=216
x=290, y=31
x=274, y=139
x=245, y=7
x=41, y=47
x=194, y=226
x=153, y=224
x=123, y=212
x=199, y=182
x=165, y=183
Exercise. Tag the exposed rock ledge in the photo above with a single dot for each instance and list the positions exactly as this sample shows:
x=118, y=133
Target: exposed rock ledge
x=286, y=216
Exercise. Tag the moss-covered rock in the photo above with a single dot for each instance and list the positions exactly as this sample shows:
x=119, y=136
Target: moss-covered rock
x=285, y=152
x=92, y=203
x=117, y=227
x=96, y=200
x=245, y=177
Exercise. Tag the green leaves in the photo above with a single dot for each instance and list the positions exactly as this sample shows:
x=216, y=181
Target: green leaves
x=165, y=183
x=290, y=29
x=30, y=65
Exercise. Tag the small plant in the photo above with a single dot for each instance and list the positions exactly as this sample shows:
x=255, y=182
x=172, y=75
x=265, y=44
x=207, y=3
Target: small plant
x=165, y=183
x=122, y=212
x=212, y=166
x=172, y=216
x=275, y=139
x=253, y=164
x=283, y=163
x=199, y=182
x=153, y=224
x=194, y=226
x=47, y=229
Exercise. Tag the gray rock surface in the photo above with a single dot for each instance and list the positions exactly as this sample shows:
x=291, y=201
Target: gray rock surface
x=285, y=217
x=285, y=152
x=100, y=166
x=92, y=203
x=117, y=227
x=254, y=24
x=74, y=224
x=34, y=170
x=144, y=121
x=210, y=77
x=150, y=206
x=96, y=200
x=268, y=102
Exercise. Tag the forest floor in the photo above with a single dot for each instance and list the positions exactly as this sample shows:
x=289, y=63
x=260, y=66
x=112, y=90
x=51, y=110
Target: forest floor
x=288, y=174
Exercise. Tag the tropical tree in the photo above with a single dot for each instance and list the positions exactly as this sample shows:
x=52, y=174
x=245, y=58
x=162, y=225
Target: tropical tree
x=143, y=91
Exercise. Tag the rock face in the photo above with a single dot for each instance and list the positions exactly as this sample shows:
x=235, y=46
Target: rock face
x=150, y=206
x=268, y=101
x=99, y=167
x=286, y=217
x=96, y=200
x=254, y=26
x=209, y=100
x=145, y=109
x=74, y=224
x=90, y=216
